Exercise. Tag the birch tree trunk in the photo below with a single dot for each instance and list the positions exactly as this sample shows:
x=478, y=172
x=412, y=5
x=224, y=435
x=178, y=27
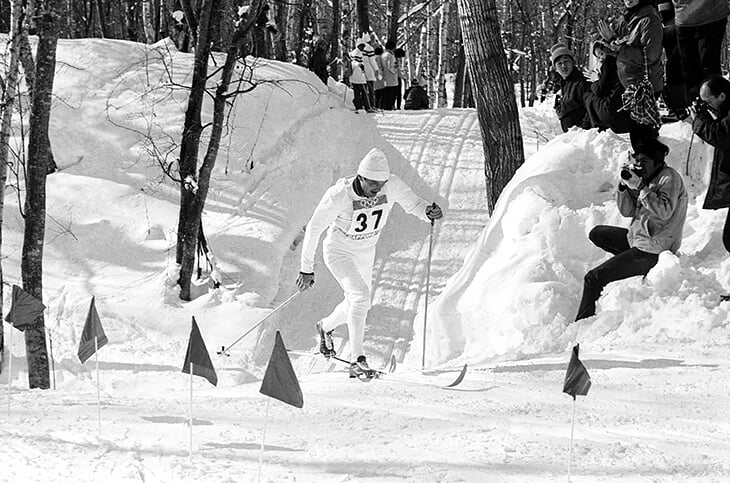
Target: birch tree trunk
x=35, y=199
x=494, y=94
x=442, y=54
x=8, y=106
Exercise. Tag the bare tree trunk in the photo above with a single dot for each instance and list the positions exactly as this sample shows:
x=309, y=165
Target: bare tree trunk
x=496, y=105
x=148, y=19
x=8, y=106
x=35, y=200
x=194, y=184
x=363, y=17
x=334, y=40
x=393, y=21
x=281, y=8
x=442, y=54
x=101, y=15
x=304, y=13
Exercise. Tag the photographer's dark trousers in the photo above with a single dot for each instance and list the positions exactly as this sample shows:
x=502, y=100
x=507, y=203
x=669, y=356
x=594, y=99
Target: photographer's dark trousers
x=626, y=262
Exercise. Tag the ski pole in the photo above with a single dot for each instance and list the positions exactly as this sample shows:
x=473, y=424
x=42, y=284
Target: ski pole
x=224, y=350
x=686, y=167
x=428, y=282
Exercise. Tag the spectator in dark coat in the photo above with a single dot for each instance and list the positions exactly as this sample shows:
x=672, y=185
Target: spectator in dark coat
x=712, y=125
x=603, y=100
x=569, y=104
x=675, y=92
x=399, y=54
x=700, y=33
x=318, y=60
x=416, y=96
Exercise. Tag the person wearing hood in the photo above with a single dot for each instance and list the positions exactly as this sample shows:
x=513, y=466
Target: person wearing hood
x=712, y=125
x=354, y=212
x=569, y=103
x=603, y=100
x=652, y=194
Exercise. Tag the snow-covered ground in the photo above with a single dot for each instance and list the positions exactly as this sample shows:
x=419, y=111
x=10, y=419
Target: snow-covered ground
x=502, y=295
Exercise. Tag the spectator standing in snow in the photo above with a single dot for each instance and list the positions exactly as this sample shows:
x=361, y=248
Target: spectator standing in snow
x=700, y=34
x=372, y=71
x=569, y=103
x=354, y=212
x=261, y=28
x=416, y=96
x=712, y=124
x=655, y=198
x=399, y=54
x=358, y=82
x=390, y=76
x=379, y=84
x=675, y=92
x=318, y=60
x=637, y=40
x=603, y=100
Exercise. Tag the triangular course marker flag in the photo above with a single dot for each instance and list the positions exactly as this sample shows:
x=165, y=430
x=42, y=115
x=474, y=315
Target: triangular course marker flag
x=92, y=328
x=197, y=353
x=25, y=309
x=577, y=381
x=280, y=381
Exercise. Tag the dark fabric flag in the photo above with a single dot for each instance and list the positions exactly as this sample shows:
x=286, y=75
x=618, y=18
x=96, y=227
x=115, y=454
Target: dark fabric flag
x=577, y=381
x=92, y=328
x=280, y=381
x=24, y=310
x=197, y=353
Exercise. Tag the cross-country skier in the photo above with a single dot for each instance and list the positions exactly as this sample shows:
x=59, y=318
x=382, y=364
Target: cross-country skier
x=354, y=212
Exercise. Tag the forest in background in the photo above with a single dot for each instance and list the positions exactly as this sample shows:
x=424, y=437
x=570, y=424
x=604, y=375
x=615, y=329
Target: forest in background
x=429, y=31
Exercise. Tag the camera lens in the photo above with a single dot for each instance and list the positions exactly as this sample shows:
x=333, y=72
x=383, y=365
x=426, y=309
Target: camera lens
x=625, y=173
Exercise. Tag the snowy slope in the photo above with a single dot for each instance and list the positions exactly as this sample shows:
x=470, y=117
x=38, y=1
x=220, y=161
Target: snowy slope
x=501, y=295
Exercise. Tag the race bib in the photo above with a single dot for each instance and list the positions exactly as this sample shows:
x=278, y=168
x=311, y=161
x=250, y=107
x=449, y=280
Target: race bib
x=368, y=217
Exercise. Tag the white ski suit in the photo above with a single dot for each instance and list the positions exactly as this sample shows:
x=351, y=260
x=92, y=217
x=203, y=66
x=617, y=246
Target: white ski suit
x=354, y=224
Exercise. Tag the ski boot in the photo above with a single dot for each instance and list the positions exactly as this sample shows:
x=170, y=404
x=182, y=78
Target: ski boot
x=361, y=370
x=326, y=346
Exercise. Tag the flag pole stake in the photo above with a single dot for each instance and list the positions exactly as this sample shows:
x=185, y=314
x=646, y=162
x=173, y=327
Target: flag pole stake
x=191, y=415
x=263, y=439
x=98, y=391
x=10, y=368
x=572, y=429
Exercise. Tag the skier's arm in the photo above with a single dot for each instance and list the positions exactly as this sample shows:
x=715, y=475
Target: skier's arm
x=410, y=201
x=325, y=213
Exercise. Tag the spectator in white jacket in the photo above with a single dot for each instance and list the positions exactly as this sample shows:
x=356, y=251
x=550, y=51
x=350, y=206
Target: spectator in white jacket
x=390, y=77
x=372, y=71
x=358, y=81
x=354, y=212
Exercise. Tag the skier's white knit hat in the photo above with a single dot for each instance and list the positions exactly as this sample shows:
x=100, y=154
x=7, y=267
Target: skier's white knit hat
x=374, y=166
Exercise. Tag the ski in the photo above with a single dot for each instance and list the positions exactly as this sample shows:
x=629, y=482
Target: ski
x=366, y=377
x=456, y=382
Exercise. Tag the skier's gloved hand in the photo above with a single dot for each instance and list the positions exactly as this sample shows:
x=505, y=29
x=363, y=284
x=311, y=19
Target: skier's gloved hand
x=304, y=281
x=433, y=212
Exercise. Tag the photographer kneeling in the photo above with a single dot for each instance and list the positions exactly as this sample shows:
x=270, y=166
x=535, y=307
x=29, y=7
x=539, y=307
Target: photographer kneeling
x=653, y=195
x=715, y=98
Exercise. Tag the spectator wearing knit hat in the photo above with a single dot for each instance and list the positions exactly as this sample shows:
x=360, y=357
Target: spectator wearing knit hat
x=569, y=104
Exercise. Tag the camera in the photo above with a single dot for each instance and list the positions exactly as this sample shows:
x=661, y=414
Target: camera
x=626, y=172
x=701, y=106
